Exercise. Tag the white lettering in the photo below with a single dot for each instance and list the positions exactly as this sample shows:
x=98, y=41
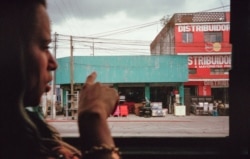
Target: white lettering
x=198, y=28
x=187, y=28
x=190, y=60
x=180, y=29
x=201, y=60
x=216, y=83
x=184, y=28
x=193, y=28
x=195, y=60
x=202, y=28
x=210, y=61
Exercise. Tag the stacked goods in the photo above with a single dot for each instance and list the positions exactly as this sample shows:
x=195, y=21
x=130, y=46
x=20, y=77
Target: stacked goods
x=131, y=107
x=156, y=108
x=137, y=108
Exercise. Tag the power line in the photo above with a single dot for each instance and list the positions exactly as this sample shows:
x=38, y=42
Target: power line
x=107, y=44
x=212, y=9
x=125, y=30
x=70, y=9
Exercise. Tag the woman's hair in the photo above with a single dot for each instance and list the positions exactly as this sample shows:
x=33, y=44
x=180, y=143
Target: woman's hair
x=19, y=137
x=17, y=24
x=22, y=134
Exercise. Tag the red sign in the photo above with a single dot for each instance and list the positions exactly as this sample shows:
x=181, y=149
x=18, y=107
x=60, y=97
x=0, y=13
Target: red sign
x=209, y=61
x=216, y=83
x=203, y=27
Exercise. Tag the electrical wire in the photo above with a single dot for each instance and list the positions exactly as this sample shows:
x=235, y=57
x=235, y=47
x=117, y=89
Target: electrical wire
x=97, y=42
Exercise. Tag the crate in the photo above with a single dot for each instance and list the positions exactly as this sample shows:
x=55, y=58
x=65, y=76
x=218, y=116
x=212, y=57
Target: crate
x=180, y=110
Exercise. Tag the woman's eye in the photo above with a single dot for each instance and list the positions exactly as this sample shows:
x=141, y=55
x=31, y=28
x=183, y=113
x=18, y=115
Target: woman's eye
x=46, y=47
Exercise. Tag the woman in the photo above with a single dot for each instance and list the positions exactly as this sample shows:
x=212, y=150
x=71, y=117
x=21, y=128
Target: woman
x=26, y=64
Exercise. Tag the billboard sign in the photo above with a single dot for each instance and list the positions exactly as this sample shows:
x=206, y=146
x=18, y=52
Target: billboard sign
x=209, y=61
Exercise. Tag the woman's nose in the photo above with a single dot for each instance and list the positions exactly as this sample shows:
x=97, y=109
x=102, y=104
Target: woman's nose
x=52, y=63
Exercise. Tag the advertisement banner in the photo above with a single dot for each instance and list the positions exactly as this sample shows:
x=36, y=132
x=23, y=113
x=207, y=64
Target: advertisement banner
x=215, y=84
x=204, y=28
x=209, y=61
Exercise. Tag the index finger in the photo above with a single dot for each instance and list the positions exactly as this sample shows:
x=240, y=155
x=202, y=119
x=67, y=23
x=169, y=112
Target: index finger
x=91, y=78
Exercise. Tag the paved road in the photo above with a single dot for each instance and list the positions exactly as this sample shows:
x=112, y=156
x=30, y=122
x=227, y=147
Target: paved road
x=169, y=126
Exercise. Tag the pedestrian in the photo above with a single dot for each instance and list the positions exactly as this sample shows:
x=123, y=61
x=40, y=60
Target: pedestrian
x=26, y=66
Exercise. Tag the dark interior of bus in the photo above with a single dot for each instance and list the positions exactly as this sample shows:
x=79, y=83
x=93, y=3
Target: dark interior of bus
x=233, y=146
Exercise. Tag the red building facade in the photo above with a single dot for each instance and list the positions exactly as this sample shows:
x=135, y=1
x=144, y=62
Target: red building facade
x=204, y=37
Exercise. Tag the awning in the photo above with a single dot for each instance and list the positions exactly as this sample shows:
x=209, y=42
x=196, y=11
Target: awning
x=203, y=79
x=214, y=83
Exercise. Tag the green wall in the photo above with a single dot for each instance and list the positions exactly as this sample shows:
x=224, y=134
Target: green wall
x=125, y=69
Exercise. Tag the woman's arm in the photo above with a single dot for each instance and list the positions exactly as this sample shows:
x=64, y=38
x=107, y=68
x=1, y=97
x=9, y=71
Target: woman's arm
x=96, y=104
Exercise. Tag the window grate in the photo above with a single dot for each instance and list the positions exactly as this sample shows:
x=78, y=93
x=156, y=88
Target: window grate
x=199, y=17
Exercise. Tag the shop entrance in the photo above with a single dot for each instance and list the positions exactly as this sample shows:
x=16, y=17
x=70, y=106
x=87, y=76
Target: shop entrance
x=161, y=94
x=132, y=94
x=220, y=94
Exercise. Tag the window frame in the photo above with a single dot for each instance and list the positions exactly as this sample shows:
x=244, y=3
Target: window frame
x=187, y=37
x=236, y=144
x=213, y=37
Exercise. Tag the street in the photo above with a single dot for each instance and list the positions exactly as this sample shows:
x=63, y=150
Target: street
x=168, y=126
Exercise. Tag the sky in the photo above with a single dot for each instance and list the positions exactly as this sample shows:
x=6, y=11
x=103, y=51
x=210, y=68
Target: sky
x=116, y=27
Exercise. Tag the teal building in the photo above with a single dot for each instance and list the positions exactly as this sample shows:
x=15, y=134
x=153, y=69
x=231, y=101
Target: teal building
x=135, y=77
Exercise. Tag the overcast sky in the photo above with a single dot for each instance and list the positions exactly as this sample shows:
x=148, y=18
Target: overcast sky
x=120, y=19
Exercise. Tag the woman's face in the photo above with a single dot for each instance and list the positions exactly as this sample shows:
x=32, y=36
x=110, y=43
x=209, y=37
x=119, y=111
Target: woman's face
x=40, y=62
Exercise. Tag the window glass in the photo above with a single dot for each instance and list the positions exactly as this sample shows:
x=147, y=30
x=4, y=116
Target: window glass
x=128, y=28
x=213, y=37
x=192, y=71
x=187, y=37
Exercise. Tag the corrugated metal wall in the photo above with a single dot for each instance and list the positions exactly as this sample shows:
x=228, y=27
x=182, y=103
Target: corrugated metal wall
x=125, y=69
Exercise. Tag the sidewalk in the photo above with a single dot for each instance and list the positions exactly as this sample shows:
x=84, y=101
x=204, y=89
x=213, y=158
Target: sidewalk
x=133, y=117
x=168, y=126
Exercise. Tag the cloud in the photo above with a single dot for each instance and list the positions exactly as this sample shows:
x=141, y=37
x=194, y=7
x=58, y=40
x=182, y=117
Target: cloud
x=61, y=10
x=97, y=18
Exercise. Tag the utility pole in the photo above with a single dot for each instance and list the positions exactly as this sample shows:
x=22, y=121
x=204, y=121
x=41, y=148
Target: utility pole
x=53, y=92
x=72, y=79
x=93, y=50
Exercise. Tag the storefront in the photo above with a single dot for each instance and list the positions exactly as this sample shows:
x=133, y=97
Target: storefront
x=208, y=76
x=157, y=93
x=219, y=90
x=215, y=87
x=138, y=78
x=205, y=39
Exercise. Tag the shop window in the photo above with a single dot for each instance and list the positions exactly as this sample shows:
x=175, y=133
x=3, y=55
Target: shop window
x=192, y=71
x=213, y=36
x=219, y=71
x=187, y=37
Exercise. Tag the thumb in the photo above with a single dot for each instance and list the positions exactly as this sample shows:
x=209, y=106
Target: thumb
x=91, y=78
